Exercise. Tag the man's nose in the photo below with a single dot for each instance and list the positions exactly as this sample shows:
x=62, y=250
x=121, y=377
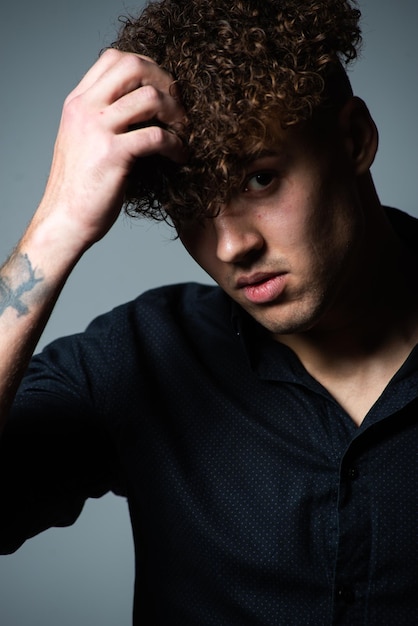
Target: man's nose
x=237, y=238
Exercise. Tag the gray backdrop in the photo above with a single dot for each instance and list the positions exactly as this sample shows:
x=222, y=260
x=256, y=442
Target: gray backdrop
x=83, y=575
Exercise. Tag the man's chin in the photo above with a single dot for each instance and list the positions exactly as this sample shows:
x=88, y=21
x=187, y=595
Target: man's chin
x=288, y=319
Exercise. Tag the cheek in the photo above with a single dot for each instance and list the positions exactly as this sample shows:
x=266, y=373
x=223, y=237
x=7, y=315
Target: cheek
x=335, y=233
x=307, y=230
x=288, y=226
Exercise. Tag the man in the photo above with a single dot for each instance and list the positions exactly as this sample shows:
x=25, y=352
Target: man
x=264, y=433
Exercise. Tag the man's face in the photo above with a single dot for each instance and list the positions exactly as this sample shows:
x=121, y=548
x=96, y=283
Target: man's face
x=286, y=246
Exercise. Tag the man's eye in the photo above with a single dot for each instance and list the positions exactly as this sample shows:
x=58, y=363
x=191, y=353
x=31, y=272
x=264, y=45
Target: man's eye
x=260, y=181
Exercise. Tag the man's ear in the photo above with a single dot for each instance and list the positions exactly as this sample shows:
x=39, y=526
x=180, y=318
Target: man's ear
x=359, y=133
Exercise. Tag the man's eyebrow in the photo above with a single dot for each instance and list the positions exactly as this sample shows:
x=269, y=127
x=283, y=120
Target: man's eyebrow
x=251, y=157
x=266, y=152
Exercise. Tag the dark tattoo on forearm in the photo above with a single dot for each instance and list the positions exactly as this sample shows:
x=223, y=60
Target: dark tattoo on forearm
x=11, y=297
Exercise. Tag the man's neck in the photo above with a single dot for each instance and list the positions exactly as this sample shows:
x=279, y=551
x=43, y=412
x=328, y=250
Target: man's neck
x=364, y=339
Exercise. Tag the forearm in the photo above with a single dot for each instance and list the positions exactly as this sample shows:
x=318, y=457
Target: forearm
x=94, y=153
x=30, y=283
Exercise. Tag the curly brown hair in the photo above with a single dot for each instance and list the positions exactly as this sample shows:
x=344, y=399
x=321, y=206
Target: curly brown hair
x=242, y=66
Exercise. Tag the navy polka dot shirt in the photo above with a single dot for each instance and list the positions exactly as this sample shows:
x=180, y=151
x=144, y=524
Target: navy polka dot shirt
x=255, y=500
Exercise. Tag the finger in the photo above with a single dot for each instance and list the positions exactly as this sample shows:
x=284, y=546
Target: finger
x=109, y=58
x=153, y=140
x=141, y=105
x=130, y=72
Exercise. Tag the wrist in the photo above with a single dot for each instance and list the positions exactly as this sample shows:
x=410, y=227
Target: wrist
x=53, y=244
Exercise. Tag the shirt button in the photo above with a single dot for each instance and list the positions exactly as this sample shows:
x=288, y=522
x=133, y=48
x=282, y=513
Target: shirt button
x=345, y=595
x=352, y=473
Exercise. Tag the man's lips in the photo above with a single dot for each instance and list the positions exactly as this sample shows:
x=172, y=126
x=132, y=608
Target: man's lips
x=261, y=288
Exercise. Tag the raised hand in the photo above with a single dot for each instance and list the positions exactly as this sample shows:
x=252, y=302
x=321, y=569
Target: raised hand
x=123, y=109
x=99, y=139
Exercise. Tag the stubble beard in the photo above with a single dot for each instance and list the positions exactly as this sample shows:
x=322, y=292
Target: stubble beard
x=292, y=317
x=303, y=312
